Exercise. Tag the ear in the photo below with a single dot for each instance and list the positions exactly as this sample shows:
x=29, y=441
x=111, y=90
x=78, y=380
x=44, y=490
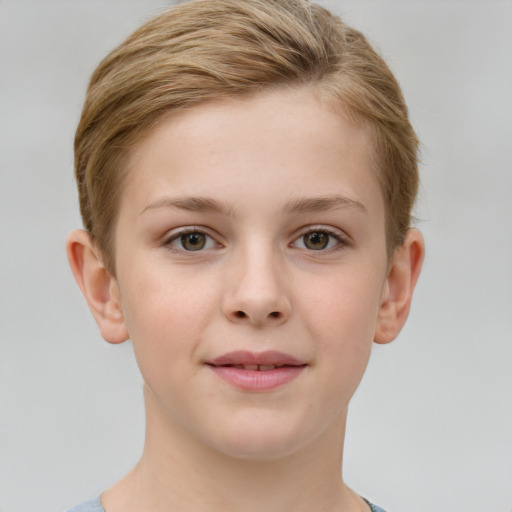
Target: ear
x=100, y=289
x=398, y=289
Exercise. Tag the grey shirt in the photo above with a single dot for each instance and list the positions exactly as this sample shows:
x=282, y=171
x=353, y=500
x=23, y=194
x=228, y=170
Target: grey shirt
x=95, y=506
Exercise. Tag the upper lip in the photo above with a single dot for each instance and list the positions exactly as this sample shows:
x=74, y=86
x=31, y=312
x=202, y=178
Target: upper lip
x=245, y=357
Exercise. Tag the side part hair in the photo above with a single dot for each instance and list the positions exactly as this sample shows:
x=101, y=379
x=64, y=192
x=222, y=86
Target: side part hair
x=211, y=49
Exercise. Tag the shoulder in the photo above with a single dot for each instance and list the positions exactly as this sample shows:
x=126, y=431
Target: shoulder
x=373, y=507
x=88, y=506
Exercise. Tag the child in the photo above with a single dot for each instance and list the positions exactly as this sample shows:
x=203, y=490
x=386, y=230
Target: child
x=246, y=172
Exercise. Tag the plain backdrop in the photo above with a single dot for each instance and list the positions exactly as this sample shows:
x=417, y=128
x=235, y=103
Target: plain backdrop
x=430, y=428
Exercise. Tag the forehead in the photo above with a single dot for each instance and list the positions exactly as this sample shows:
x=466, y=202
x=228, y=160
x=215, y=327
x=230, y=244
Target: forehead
x=288, y=141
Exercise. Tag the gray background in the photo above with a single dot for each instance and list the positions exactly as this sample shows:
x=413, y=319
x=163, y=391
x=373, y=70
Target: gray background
x=431, y=425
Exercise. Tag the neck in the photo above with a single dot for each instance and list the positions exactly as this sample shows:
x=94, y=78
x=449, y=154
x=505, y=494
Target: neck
x=176, y=472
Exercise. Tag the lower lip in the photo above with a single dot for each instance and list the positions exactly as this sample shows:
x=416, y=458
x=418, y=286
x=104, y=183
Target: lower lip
x=254, y=380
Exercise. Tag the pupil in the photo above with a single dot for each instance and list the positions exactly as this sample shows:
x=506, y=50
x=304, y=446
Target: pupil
x=316, y=240
x=193, y=241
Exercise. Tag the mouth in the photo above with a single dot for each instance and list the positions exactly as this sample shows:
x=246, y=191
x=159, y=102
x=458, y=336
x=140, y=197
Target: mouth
x=262, y=361
x=251, y=371
x=254, y=367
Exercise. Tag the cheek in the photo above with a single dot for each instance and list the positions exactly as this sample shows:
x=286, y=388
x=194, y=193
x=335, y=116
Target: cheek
x=344, y=307
x=161, y=298
x=165, y=318
x=342, y=320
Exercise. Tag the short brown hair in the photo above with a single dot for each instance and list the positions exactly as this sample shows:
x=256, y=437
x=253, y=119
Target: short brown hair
x=211, y=49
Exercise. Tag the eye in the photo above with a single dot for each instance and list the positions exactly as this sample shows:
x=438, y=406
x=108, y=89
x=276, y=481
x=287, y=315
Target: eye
x=318, y=240
x=192, y=240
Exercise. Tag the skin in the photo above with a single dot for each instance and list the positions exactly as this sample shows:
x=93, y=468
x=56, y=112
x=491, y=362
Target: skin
x=258, y=284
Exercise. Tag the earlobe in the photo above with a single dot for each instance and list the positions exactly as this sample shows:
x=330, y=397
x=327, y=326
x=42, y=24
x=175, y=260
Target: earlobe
x=399, y=287
x=99, y=287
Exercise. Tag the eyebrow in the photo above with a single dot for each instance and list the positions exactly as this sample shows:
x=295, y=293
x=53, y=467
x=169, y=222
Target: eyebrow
x=191, y=204
x=297, y=205
x=322, y=204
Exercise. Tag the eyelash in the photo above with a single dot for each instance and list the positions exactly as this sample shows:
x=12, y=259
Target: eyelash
x=341, y=242
x=189, y=231
x=210, y=242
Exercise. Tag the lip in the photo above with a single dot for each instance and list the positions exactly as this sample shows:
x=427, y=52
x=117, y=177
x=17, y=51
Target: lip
x=228, y=368
x=269, y=357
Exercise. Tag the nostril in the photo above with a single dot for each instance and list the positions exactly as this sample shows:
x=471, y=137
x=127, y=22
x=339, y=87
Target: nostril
x=242, y=314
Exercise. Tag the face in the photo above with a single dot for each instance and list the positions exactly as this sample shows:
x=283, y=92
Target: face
x=251, y=266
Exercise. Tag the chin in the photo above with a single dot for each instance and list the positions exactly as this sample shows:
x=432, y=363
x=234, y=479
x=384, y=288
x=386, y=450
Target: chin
x=259, y=450
x=259, y=441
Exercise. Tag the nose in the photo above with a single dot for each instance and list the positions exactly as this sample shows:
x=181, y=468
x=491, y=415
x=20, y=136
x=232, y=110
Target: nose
x=257, y=291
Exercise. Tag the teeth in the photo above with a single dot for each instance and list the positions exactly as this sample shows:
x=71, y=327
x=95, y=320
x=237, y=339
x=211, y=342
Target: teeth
x=256, y=367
